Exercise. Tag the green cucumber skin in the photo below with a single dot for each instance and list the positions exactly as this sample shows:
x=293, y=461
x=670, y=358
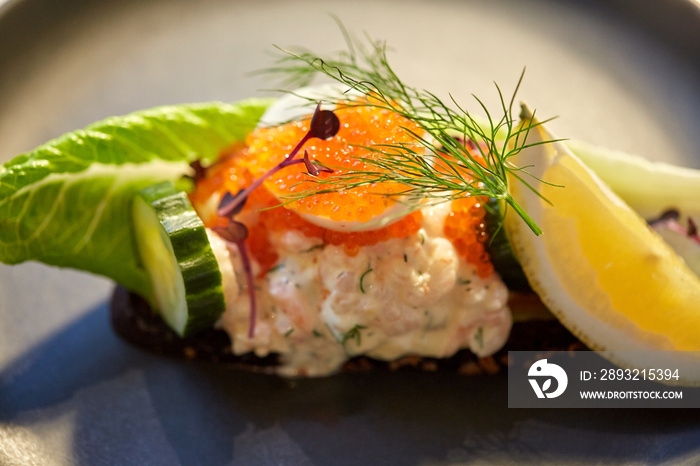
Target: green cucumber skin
x=501, y=253
x=190, y=244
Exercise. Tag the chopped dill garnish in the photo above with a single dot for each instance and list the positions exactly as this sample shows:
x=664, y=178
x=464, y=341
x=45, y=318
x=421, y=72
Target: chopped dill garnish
x=276, y=268
x=362, y=286
x=289, y=332
x=479, y=337
x=353, y=334
x=317, y=334
x=313, y=248
x=454, y=156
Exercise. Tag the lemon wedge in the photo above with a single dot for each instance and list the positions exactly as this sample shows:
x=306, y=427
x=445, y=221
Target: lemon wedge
x=598, y=267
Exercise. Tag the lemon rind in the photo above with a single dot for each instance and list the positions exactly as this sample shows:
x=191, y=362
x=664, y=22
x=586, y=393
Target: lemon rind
x=637, y=353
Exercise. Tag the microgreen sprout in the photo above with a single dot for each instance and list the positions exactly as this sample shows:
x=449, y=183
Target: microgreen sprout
x=324, y=125
x=671, y=220
x=231, y=205
x=236, y=233
x=314, y=168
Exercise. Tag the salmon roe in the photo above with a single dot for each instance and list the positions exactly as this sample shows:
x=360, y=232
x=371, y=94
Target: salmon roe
x=270, y=216
x=263, y=214
x=361, y=126
x=466, y=228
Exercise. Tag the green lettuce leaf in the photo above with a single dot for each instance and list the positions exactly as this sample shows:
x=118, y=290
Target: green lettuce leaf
x=68, y=202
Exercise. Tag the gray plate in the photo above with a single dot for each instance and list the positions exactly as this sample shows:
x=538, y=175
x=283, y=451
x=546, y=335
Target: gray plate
x=620, y=73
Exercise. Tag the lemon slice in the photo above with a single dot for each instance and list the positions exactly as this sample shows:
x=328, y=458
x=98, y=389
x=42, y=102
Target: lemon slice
x=600, y=269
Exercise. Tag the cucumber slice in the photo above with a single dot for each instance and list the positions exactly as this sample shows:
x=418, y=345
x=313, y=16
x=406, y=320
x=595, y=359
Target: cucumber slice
x=500, y=251
x=648, y=187
x=174, y=249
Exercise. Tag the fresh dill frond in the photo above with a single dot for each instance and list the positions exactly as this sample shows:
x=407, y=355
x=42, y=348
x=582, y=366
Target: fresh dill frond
x=353, y=334
x=437, y=165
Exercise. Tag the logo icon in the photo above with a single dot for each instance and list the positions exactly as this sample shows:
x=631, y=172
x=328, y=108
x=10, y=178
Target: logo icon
x=544, y=369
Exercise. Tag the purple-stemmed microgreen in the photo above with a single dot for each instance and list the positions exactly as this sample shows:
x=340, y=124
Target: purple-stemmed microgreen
x=324, y=125
x=314, y=168
x=198, y=170
x=671, y=220
x=235, y=233
x=230, y=205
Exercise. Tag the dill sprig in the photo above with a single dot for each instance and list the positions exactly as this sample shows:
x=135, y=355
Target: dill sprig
x=437, y=165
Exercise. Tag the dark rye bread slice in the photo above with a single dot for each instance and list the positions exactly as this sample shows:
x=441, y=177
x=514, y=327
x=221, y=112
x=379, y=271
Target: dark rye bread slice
x=135, y=322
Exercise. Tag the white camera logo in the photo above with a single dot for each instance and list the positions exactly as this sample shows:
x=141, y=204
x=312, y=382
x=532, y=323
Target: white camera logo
x=542, y=369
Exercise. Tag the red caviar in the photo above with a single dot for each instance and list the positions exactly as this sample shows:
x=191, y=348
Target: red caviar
x=272, y=217
x=466, y=228
x=361, y=126
x=263, y=215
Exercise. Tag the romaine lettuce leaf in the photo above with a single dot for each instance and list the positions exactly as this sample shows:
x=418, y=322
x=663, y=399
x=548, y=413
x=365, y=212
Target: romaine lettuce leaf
x=68, y=202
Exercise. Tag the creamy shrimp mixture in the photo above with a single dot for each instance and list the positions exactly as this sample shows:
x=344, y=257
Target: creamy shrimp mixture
x=318, y=306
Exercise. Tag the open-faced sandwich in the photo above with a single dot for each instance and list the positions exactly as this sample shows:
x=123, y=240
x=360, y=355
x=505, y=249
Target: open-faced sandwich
x=363, y=221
